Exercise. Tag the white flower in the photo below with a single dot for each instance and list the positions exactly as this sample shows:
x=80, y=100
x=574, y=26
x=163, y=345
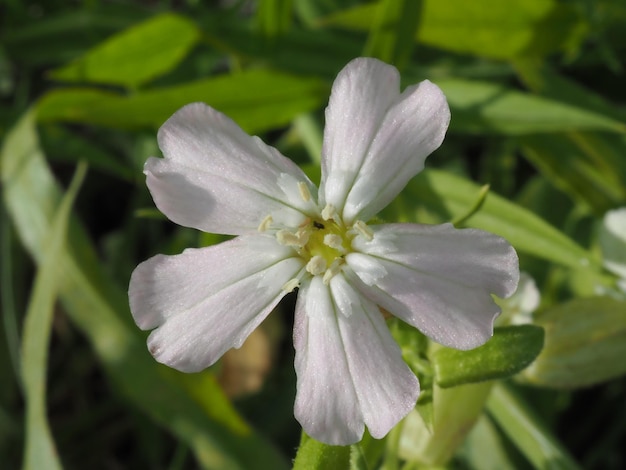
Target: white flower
x=350, y=372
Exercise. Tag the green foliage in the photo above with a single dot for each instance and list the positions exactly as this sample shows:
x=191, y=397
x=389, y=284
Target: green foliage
x=158, y=44
x=257, y=100
x=499, y=30
x=584, y=338
x=314, y=455
x=535, y=153
x=511, y=349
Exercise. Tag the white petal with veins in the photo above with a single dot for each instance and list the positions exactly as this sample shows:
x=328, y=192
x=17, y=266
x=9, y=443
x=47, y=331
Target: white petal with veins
x=208, y=300
x=350, y=370
x=218, y=179
x=440, y=279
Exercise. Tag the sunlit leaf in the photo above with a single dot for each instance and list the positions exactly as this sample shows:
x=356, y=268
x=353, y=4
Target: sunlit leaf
x=257, y=100
x=492, y=28
x=136, y=55
x=487, y=108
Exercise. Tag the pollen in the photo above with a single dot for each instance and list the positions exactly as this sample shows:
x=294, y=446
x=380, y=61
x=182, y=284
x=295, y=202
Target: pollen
x=363, y=230
x=305, y=194
x=316, y=265
x=265, y=224
x=329, y=212
x=298, y=239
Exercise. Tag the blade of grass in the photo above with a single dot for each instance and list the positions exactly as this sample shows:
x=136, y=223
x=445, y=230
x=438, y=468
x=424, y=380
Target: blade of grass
x=209, y=425
x=526, y=431
x=394, y=28
x=9, y=313
x=40, y=451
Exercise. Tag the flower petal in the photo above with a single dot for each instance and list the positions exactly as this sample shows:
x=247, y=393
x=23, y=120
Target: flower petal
x=218, y=179
x=350, y=370
x=376, y=138
x=361, y=95
x=206, y=301
x=438, y=278
x=413, y=128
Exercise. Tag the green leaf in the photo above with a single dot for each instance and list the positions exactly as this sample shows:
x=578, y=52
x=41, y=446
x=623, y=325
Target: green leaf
x=570, y=169
x=315, y=455
x=508, y=352
x=455, y=411
x=589, y=166
x=491, y=28
x=394, y=27
x=136, y=55
x=450, y=196
x=274, y=17
x=40, y=452
x=585, y=343
x=484, y=448
x=99, y=308
x=527, y=431
x=257, y=100
x=487, y=108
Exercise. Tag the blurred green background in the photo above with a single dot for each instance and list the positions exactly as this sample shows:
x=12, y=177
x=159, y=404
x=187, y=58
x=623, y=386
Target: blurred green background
x=536, y=90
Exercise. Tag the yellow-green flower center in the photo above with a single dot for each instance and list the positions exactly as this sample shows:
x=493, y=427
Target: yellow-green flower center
x=322, y=242
x=326, y=240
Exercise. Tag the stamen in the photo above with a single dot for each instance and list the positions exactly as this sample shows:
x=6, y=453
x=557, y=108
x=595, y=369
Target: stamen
x=329, y=212
x=265, y=224
x=316, y=265
x=334, y=268
x=305, y=194
x=290, y=285
x=364, y=230
x=334, y=241
x=287, y=238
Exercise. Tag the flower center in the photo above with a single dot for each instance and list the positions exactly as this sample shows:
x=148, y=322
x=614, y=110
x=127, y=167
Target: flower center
x=322, y=242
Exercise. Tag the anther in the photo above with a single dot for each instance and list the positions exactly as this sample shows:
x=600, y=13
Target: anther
x=334, y=268
x=334, y=241
x=265, y=223
x=363, y=230
x=305, y=194
x=329, y=212
x=287, y=238
x=290, y=285
x=316, y=265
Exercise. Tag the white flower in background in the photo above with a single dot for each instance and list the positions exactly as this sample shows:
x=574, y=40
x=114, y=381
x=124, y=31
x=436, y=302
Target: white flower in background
x=613, y=244
x=519, y=307
x=350, y=372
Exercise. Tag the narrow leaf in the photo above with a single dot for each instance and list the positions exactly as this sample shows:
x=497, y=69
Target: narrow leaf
x=527, y=431
x=480, y=107
x=393, y=29
x=274, y=17
x=99, y=308
x=449, y=196
x=40, y=452
x=257, y=100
